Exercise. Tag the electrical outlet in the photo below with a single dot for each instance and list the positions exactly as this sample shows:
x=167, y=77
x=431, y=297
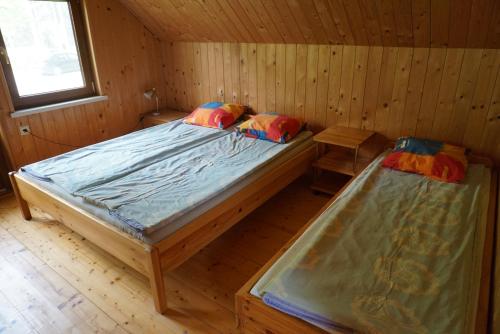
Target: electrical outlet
x=24, y=130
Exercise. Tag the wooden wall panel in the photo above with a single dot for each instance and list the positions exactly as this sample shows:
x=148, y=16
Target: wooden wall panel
x=446, y=94
x=407, y=23
x=432, y=84
x=127, y=64
x=385, y=83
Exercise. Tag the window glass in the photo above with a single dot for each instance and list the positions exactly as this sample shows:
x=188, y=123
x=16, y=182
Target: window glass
x=41, y=46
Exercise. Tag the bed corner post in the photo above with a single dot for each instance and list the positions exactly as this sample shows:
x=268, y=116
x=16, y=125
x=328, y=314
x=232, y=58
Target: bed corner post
x=156, y=280
x=238, y=311
x=23, y=205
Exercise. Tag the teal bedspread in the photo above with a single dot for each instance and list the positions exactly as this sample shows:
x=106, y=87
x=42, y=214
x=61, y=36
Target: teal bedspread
x=150, y=197
x=150, y=178
x=112, y=159
x=396, y=253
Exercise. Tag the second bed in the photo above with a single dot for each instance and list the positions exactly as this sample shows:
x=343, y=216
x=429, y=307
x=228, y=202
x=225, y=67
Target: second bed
x=393, y=253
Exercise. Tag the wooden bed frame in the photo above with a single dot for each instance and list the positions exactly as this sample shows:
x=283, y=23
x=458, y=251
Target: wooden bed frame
x=253, y=316
x=152, y=260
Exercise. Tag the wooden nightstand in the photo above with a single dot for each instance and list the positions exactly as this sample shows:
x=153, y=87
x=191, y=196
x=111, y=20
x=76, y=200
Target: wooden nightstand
x=165, y=116
x=344, y=151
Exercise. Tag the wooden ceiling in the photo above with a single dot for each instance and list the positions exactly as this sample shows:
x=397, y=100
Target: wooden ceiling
x=418, y=23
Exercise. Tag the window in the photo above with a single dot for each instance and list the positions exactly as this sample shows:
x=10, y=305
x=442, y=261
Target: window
x=43, y=52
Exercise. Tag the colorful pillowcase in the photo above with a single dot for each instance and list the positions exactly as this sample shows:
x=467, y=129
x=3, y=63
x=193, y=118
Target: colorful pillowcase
x=215, y=115
x=271, y=127
x=433, y=159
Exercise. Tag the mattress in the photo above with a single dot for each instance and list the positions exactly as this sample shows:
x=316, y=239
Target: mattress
x=395, y=253
x=179, y=187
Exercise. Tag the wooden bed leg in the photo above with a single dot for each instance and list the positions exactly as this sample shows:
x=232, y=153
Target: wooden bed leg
x=156, y=281
x=23, y=205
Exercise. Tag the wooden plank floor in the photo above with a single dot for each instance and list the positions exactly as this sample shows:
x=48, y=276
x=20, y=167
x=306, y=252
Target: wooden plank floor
x=54, y=281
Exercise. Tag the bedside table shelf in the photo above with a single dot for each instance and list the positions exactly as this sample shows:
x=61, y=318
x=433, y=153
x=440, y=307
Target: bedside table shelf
x=342, y=162
x=343, y=137
x=165, y=116
x=343, y=151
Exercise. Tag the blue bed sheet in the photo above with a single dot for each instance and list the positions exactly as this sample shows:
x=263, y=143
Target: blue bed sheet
x=112, y=159
x=161, y=192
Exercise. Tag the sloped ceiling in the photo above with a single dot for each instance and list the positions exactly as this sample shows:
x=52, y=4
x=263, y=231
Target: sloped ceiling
x=419, y=23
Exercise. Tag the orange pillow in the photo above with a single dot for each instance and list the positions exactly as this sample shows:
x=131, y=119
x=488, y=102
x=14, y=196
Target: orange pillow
x=433, y=159
x=215, y=115
x=272, y=127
